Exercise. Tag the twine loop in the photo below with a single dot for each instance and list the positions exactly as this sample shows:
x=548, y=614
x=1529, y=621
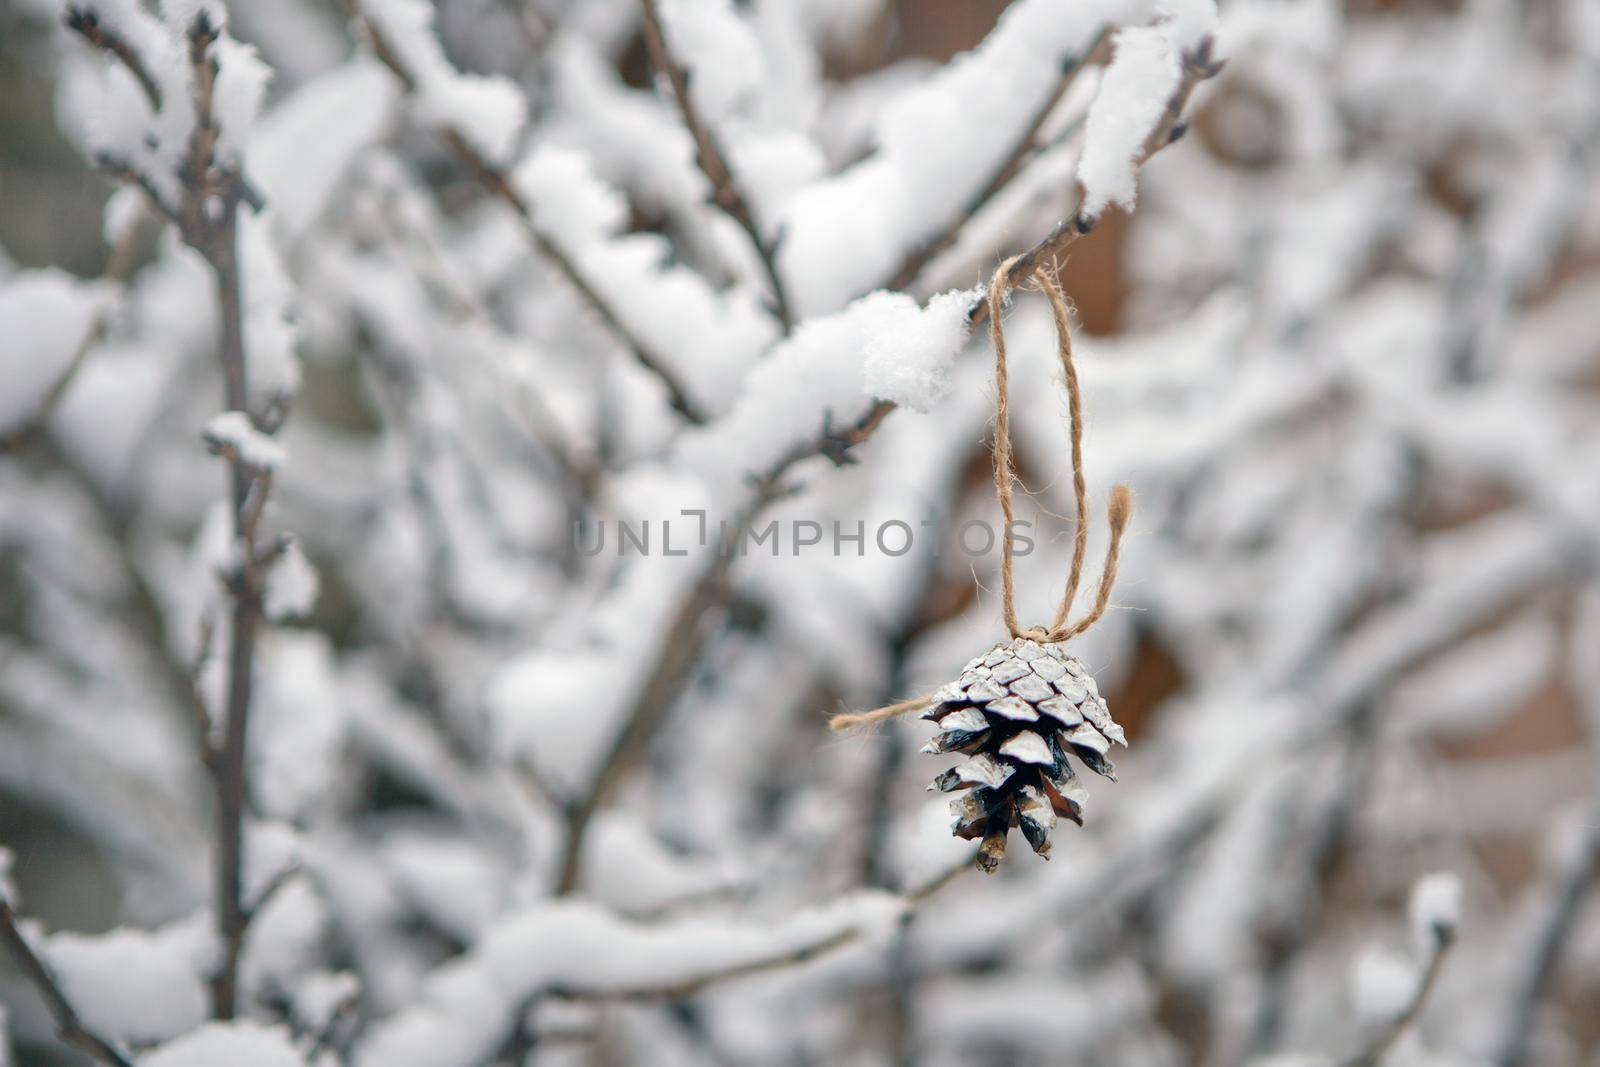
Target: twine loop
x=1121, y=503
x=1118, y=509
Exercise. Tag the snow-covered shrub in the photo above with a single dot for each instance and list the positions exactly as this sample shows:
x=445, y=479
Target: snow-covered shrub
x=505, y=430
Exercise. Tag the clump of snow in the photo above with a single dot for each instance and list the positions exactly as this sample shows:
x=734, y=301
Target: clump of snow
x=292, y=585
x=457, y=884
x=237, y=1044
x=124, y=208
x=303, y=147
x=1133, y=94
x=816, y=376
x=546, y=708
x=269, y=331
x=181, y=14
x=320, y=996
x=295, y=744
x=107, y=410
x=46, y=315
x=570, y=204
x=241, y=85
x=1435, y=908
x=468, y=1003
x=137, y=986
x=718, y=48
x=487, y=111
x=1187, y=22
x=1382, y=982
x=285, y=938
x=231, y=433
x=773, y=168
x=634, y=138
x=935, y=145
x=630, y=869
x=911, y=365
x=706, y=338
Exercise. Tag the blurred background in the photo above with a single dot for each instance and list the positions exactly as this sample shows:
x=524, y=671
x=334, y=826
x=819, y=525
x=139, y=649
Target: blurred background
x=511, y=802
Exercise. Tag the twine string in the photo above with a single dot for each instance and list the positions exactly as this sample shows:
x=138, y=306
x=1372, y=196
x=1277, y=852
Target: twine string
x=1118, y=510
x=1121, y=504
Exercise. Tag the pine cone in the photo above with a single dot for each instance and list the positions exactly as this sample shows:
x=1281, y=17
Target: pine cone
x=1017, y=712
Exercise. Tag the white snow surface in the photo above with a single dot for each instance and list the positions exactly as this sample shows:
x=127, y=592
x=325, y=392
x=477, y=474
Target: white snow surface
x=1382, y=982
x=304, y=147
x=705, y=337
x=827, y=371
x=1435, y=907
x=238, y=1044
x=1132, y=96
x=469, y=1002
x=910, y=364
x=292, y=585
x=718, y=48
x=935, y=144
x=233, y=430
x=45, y=318
x=133, y=985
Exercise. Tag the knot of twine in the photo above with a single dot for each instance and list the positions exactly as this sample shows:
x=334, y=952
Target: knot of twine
x=1120, y=506
x=1118, y=510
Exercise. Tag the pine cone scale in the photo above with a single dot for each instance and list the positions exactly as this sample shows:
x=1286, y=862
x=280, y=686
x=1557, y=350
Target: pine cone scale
x=1018, y=712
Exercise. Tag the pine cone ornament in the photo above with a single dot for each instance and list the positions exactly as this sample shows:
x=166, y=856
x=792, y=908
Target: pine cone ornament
x=1017, y=712
x=1020, y=710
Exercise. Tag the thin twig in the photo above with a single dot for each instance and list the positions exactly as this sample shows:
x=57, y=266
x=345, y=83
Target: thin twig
x=207, y=218
x=712, y=160
x=687, y=634
x=1198, y=66
x=1016, y=160
x=1312, y=855
x=1569, y=894
x=1566, y=903
x=85, y=21
x=495, y=182
x=68, y=1023
x=1372, y=1053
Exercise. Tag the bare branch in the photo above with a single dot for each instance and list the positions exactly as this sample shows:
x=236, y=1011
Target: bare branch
x=68, y=1024
x=1015, y=162
x=495, y=182
x=712, y=160
x=85, y=21
x=1373, y=1052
